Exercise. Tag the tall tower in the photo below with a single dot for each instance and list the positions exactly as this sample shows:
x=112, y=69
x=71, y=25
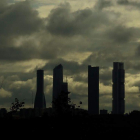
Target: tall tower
x=40, y=102
x=57, y=81
x=65, y=90
x=93, y=90
x=118, y=79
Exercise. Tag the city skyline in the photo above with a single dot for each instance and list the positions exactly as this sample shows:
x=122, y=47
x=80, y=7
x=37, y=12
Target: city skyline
x=41, y=34
x=118, y=88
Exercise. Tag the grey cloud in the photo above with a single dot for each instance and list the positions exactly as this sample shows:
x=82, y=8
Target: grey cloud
x=75, y=70
x=83, y=32
x=15, y=54
x=137, y=51
x=19, y=19
x=22, y=85
x=105, y=77
x=104, y=57
x=137, y=83
x=108, y=55
x=121, y=34
x=80, y=78
x=26, y=51
x=102, y=4
x=132, y=63
x=134, y=4
x=123, y=2
x=69, y=67
x=3, y=3
x=62, y=21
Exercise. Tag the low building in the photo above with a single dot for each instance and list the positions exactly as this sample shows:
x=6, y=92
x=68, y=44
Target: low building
x=3, y=112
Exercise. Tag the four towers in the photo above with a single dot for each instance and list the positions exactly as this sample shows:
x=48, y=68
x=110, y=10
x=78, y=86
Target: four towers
x=118, y=88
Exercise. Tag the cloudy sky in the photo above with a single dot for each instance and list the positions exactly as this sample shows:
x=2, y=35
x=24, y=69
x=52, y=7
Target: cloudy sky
x=76, y=33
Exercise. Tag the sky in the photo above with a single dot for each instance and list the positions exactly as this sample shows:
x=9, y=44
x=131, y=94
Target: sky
x=41, y=34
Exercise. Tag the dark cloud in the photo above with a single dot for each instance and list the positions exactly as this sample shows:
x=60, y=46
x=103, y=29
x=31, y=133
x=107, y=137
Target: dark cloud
x=106, y=76
x=102, y=4
x=3, y=3
x=23, y=53
x=123, y=2
x=121, y=34
x=131, y=62
x=105, y=57
x=62, y=21
x=80, y=78
x=17, y=76
x=19, y=19
x=135, y=4
x=69, y=67
x=22, y=86
x=137, y=51
x=88, y=30
x=17, y=54
x=137, y=83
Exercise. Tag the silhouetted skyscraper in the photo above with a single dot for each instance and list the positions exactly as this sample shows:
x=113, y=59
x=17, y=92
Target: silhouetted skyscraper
x=57, y=81
x=93, y=90
x=65, y=90
x=40, y=102
x=118, y=79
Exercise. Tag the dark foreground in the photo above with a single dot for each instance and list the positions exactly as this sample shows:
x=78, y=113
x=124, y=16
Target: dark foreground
x=77, y=127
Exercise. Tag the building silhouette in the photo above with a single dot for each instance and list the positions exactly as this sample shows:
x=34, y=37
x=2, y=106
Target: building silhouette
x=40, y=102
x=93, y=90
x=65, y=91
x=118, y=79
x=57, y=81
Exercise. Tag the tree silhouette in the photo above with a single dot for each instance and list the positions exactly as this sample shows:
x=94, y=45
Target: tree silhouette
x=16, y=105
x=63, y=105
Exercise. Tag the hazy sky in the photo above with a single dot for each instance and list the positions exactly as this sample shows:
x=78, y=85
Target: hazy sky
x=76, y=33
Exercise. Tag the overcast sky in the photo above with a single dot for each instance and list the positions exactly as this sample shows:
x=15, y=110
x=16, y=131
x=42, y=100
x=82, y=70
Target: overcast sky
x=76, y=33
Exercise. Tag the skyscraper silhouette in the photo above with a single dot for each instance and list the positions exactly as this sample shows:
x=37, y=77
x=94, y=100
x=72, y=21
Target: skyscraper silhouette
x=65, y=90
x=57, y=81
x=93, y=90
x=118, y=79
x=40, y=102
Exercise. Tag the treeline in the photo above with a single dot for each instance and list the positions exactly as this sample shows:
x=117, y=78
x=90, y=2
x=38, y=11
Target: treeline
x=76, y=127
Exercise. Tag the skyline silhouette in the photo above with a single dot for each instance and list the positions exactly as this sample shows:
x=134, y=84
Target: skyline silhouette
x=70, y=69
x=93, y=92
x=118, y=89
x=41, y=35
